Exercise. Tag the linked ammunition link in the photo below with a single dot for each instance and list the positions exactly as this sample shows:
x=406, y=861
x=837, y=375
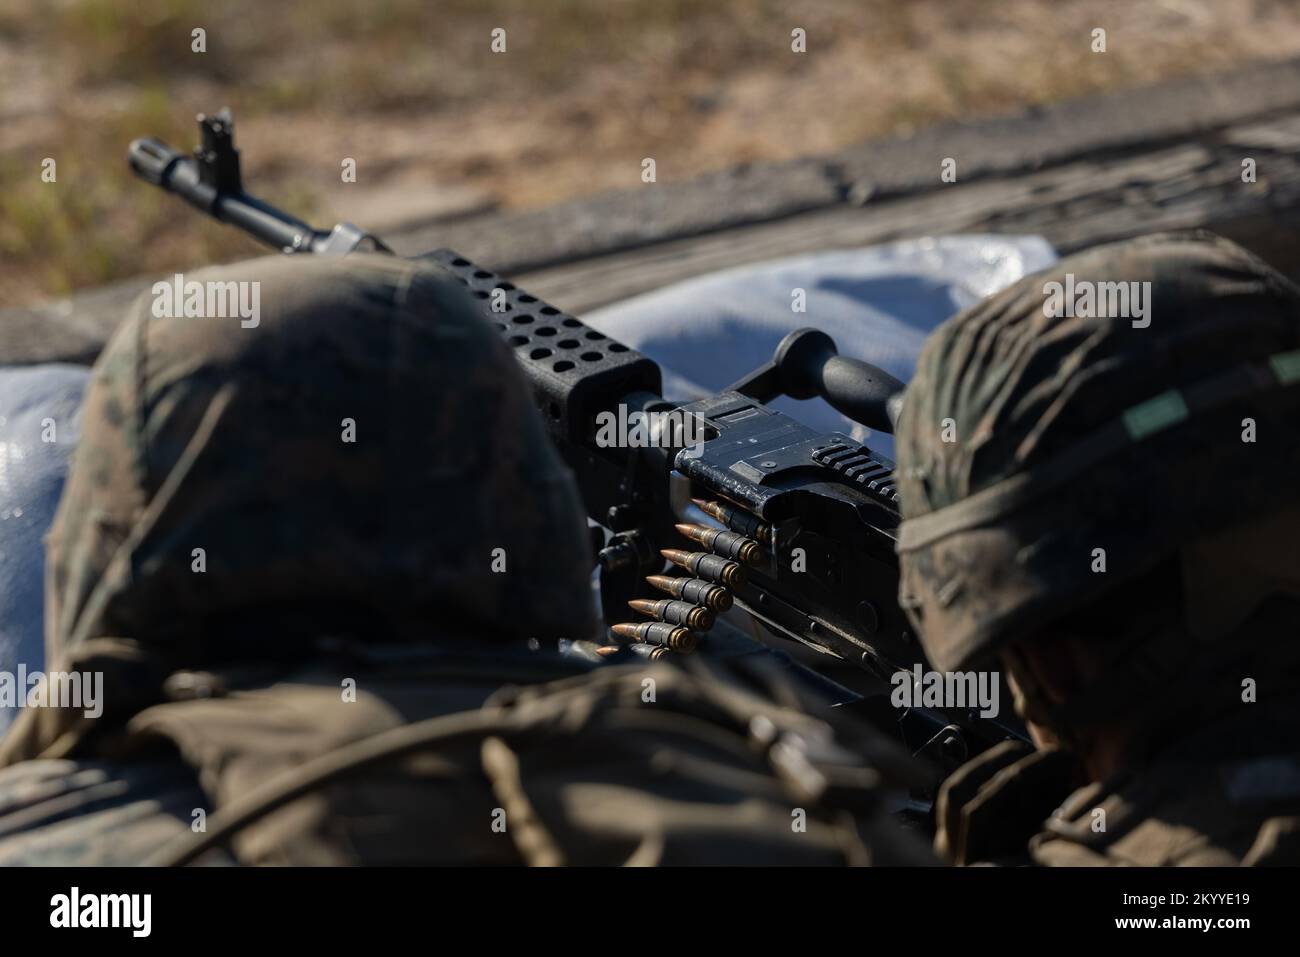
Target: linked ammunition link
x=649, y=651
x=694, y=617
x=696, y=601
x=708, y=566
x=736, y=519
x=670, y=636
x=694, y=590
x=722, y=542
x=639, y=648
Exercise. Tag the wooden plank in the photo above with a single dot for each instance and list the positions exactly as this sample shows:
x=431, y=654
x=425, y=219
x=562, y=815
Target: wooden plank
x=1076, y=204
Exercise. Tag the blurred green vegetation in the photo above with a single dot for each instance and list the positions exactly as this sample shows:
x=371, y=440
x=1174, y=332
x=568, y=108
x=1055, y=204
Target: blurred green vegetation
x=587, y=88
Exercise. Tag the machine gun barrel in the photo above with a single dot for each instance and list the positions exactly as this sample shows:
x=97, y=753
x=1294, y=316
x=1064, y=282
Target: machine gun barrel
x=210, y=181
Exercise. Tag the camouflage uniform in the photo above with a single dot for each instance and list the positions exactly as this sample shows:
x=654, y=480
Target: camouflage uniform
x=1131, y=479
x=291, y=545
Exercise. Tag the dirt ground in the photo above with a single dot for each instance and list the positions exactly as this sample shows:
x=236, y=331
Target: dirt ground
x=584, y=91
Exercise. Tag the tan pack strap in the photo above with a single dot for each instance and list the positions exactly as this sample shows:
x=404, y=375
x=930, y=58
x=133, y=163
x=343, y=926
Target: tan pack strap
x=318, y=772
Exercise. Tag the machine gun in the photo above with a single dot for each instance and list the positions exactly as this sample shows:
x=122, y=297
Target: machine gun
x=797, y=527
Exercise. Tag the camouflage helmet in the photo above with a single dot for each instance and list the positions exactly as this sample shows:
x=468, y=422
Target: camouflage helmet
x=1072, y=431
x=363, y=459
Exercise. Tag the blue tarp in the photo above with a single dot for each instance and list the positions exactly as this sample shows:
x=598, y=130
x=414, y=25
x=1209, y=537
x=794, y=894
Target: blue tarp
x=40, y=419
x=878, y=304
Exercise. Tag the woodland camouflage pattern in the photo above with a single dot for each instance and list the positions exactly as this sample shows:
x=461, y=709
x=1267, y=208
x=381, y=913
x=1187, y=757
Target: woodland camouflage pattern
x=581, y=770
x=1023, y=388
x=1227, y=794
x=370, y=562
x=1217, y=780
x=199, y=433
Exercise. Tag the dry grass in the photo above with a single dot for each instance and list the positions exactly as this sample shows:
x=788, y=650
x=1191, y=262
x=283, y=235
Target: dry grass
x=411, y=90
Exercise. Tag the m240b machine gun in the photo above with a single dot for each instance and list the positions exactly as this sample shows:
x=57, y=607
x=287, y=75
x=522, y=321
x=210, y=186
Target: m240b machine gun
x=821, y=508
